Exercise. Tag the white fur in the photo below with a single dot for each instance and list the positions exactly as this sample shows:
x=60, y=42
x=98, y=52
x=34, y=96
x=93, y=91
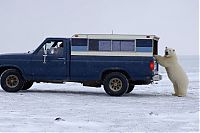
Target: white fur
x=174, y=71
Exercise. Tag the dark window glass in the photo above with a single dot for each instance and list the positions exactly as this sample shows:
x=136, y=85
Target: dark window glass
x=155, y=47
x=104, y=45
x=127, y=45
x=93, y=45
x=116, y=46
x=144, y=43
x=79, y=42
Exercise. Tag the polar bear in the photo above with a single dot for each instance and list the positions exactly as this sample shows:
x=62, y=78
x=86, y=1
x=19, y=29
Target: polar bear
x=174, y=71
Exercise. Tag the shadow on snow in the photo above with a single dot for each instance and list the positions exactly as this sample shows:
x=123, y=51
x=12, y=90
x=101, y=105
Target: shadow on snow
x=92, y=93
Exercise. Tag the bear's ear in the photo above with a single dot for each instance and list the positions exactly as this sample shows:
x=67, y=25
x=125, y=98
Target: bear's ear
x=165, y=47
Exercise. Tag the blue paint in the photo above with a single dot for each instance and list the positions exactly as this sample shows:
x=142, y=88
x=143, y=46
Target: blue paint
x=93, y=66
x=77, y=68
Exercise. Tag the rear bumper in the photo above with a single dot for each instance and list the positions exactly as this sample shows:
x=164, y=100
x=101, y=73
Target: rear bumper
x=157, y=77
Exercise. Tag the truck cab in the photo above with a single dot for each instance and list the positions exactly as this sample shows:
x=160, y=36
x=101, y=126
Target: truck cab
x=118, y=62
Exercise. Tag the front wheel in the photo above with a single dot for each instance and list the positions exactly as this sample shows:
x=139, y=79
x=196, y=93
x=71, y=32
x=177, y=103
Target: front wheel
x=116, y=84
x=11, y=80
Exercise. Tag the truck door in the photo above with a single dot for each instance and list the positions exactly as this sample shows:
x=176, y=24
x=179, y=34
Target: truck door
x=49, y=62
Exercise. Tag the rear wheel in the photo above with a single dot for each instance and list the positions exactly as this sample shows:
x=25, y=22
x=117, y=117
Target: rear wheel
x=27, y=85
x=116, y=84
x=130, y=88
x=11, y=80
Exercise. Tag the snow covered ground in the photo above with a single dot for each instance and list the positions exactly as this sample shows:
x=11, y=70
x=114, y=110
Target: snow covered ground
x=72, y=107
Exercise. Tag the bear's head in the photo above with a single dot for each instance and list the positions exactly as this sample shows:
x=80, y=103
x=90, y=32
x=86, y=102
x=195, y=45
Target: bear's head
x=169, y=52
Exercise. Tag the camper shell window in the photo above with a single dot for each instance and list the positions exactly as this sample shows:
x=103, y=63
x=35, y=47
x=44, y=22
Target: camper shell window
x=104, y=45
x=144, y=45
x=79, y=45
x=93, y=45
x=111, y=45
x=116, y=45
x=128, y=45
x=138, y=45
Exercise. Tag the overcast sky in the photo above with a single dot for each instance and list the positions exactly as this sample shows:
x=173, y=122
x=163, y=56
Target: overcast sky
x=24, y=24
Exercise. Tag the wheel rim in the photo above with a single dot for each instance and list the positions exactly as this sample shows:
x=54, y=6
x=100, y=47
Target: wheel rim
x=115, y=84
x=12, y=81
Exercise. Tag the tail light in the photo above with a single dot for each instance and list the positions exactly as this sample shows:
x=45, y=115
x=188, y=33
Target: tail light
x=151, y=65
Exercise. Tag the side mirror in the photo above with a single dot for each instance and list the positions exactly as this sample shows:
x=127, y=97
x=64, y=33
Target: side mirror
x=45, y=54
x=44, y=59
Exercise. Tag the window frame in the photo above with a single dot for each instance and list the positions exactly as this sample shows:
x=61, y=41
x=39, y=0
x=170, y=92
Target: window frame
x=55, y=45
x=88, y=40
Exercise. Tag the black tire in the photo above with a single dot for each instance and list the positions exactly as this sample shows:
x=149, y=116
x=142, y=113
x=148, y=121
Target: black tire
x=130, y=88
x=27, y=85
x=115, y=84
x=11, y=80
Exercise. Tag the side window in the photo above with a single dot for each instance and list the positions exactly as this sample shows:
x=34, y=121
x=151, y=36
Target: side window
x=59, y=49
x=102, y=45
x=116, y=45
x=123, y=45
x=127, y=45
x=52, y=48
x=105, y=45
x=99, y=45
x=143, y=45
x=93, y=45
x=46, y=47
x=79, y=45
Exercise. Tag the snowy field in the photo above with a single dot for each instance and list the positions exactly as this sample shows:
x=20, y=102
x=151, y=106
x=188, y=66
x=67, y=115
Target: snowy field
x=72, y=107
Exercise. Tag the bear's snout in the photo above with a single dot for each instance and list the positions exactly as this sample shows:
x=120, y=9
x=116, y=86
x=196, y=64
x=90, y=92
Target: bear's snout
x=166, y=53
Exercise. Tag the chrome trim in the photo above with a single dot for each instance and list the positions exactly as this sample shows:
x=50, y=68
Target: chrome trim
x=157, y=77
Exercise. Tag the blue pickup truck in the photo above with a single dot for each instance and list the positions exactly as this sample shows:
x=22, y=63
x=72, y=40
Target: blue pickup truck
x=118, y=62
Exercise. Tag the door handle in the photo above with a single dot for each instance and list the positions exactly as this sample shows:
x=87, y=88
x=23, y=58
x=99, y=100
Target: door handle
x=61, y=58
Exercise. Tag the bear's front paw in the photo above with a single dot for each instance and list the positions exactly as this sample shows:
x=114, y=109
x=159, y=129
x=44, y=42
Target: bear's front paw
x=174, y=94
x=156, y=57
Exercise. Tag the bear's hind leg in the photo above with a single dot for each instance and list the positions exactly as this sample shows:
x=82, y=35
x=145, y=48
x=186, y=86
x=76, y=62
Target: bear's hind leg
x=181, y=90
